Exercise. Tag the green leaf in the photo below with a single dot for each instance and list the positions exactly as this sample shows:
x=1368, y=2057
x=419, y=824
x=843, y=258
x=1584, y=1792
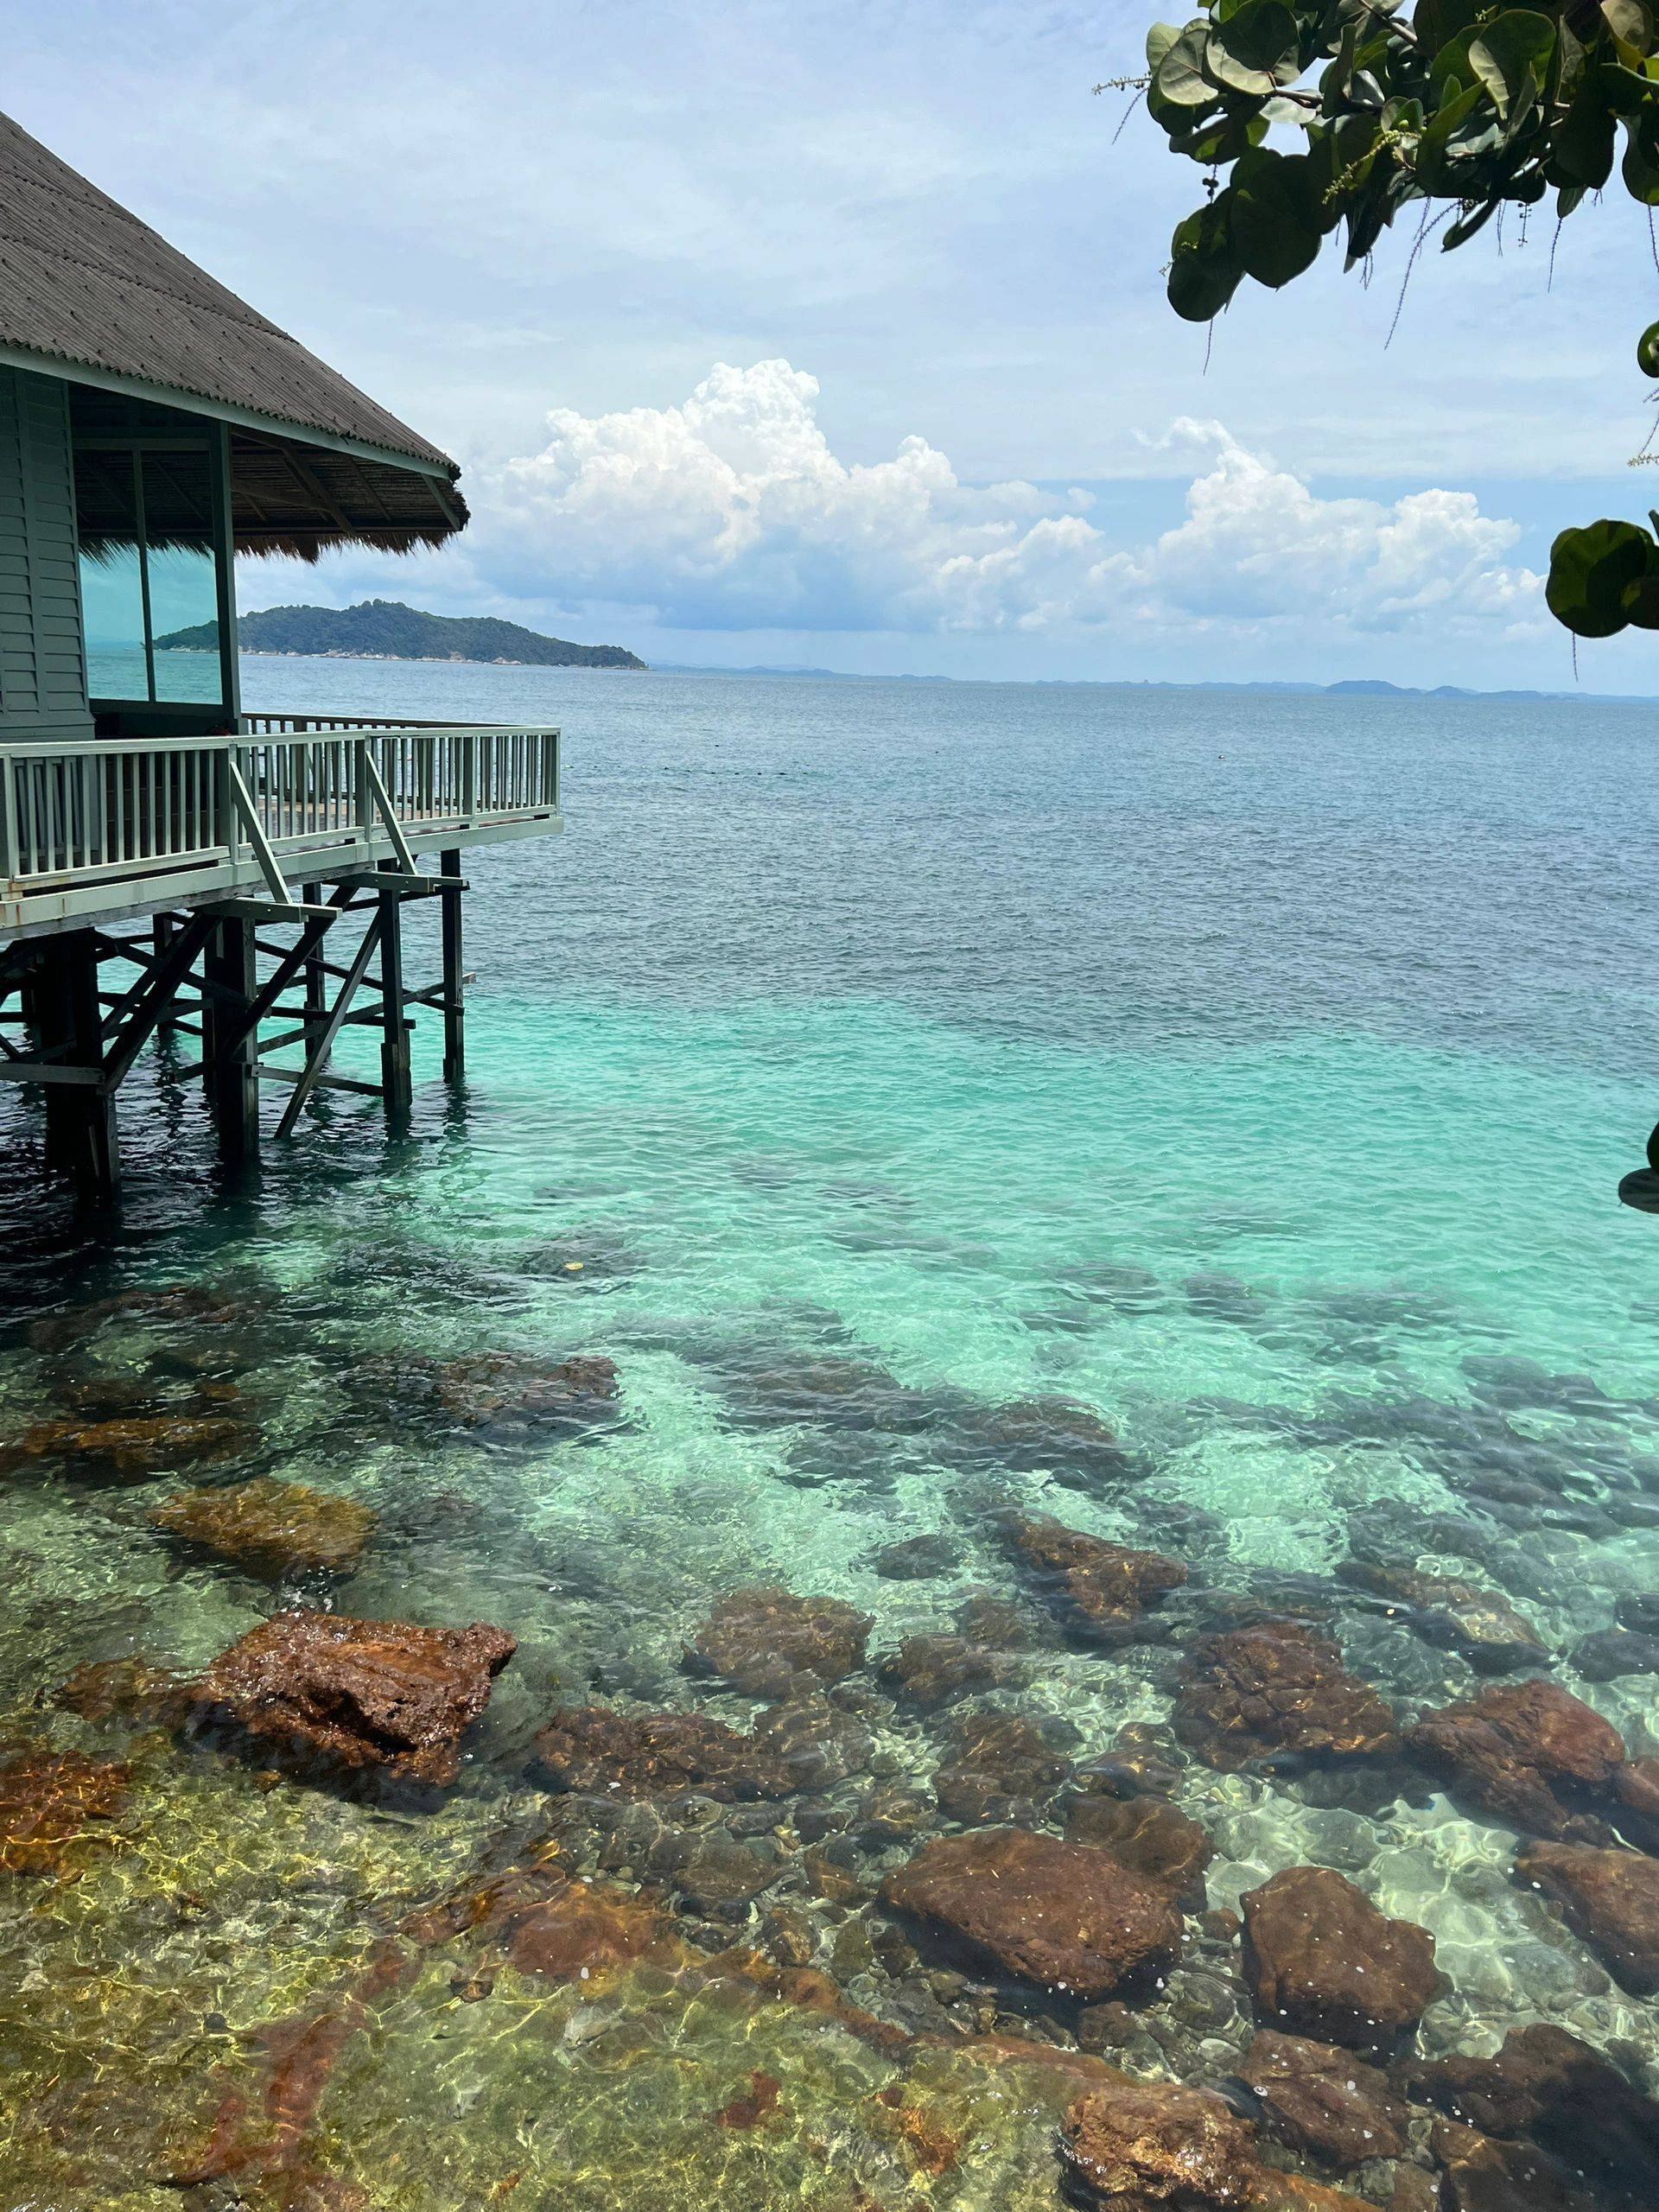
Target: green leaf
x=1647, y=351
x=1437, y=23
x=1179, y=77
x=1590, y=571
x=1439, y=146
x=1584, y=140
x=1204, y=269
x=1255, y=50
x=1277, y=220
x=1510, y=55
x=1641, y=174
x=1160, y=39
x=1630, y=22
x=1217, y=138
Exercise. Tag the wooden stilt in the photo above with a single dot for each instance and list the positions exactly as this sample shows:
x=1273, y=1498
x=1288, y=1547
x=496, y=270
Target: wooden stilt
x=316, y=992
x=318, y=1045
x=397, y=1076
x=80, y=1131
x=230, y=1042
x=161, y=937
x=455, y=1013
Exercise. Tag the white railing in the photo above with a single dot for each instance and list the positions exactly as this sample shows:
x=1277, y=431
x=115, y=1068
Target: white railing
x=108, y=809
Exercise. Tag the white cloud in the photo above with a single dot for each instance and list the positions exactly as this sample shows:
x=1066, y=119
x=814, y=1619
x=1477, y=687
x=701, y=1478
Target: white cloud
x=732, y=512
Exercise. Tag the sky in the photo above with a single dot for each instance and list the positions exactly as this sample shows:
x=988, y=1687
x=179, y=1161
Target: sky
x=835, y=336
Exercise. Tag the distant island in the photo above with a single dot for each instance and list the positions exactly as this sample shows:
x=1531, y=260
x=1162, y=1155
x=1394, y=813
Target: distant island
x=385, y=629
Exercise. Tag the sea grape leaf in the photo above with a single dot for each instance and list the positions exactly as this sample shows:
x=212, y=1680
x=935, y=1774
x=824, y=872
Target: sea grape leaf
x=1510, y=55
x=1276, y=217
x=1180, y=76
x=1590, y=571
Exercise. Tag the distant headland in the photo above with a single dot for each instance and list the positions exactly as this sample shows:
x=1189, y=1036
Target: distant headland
x=385, y=629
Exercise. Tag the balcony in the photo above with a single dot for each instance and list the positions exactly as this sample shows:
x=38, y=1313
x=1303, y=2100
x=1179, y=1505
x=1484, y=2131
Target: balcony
x=95, y=831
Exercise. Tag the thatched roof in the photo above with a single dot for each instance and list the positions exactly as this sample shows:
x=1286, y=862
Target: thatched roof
x=90, y=293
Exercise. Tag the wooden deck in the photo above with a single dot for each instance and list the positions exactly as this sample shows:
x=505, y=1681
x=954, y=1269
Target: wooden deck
x=106, y=830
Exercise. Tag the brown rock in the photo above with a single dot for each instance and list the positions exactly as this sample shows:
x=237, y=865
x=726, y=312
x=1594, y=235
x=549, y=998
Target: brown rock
x=351, y=1693
x=1570, y=2101
x=933, y=1670
x=1137, y=2144
x=814, y=1743
x=984, y=1619
x=506, y=1387
x=1609, y=1898
x=589, y=1931
x=1324, y=2101
x=47, y=1801
x=1480, y=1624
x=1527, y=1753
x=1322, y=1960
x=271, y=1527
x=593, y=1751
x=1103, y=1587
x=1278, y=1687
x=145, y=1444
x=1636, y=1813
x=1149, y=1835
x=768, y=1643
x=1058, y=1914
x=123, y=1689
x=1482, y=2175
x=1002, y=1765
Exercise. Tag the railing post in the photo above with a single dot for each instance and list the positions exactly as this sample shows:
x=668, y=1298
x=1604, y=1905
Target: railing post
x=469, y=774
x=10, y=865
x=362, y=792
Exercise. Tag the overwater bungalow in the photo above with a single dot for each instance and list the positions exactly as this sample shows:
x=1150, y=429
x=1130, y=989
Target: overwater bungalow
x=152, y=427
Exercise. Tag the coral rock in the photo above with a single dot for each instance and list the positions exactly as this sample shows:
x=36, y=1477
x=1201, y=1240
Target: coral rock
x=351, y=1694
x=1527, y=1753
x=46, y=1798
x=1058, y=1914
x=271, y=1527
x=1105, y=1588
x=1609, y=1898
x=1481, y=1626
x=767, y=1642
x=1278, y=1688
x=1139, y=2144
x=1324, y=2101
x=1323, y=1960
x=1149, y=1835
x=933, y=1670
x=141, y=1445
x=1002, y=1765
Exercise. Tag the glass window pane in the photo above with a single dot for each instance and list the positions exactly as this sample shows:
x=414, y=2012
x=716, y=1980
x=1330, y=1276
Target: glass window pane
x=183, y=600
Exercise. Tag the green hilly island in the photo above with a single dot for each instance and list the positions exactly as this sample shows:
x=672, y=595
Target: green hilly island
x=385, y=629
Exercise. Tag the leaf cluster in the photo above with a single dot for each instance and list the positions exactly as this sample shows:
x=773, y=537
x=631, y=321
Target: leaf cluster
x=1471, y=107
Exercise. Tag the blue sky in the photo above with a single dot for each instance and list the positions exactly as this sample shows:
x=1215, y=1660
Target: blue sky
x=836, y=336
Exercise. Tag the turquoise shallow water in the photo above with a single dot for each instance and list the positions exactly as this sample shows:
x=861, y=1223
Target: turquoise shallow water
x=1254, y=1072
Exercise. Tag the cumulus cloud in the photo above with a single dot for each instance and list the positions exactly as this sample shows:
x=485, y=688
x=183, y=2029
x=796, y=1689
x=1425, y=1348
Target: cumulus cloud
x=731, y=511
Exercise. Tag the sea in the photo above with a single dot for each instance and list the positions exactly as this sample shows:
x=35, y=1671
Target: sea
x=1193, y=1116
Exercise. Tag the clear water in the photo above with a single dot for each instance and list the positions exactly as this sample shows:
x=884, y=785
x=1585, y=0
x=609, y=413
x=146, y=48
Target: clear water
x=1256, y=1071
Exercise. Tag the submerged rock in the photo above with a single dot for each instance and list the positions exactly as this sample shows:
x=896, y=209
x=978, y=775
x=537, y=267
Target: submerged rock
x=496, y=1387
x=348, y=1695
x=591, y=1931
x=1324, y=2101
x=1611, y=1652
x=1070, y=1919
x=933, y=1670
x=918, y=1559
x=1609, y=1898
x=1001, y=1766
x=124, y=1689
x=1480, y=1625
x=271, y=1527
x=1149, y=1835
x=767, y=1642
x=1103, y=1588
x=1278, y=1688
x=1139, y=2144
x=1479, y=2175
x=1569, y=2099
x=592, y=1749
x=1529, y=1754
x=139, y=1446
x=1323, y=1961
x=1031, y=1435
x=47, y=1799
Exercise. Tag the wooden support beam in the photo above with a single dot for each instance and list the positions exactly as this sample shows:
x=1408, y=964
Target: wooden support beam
x=80, y=1131
x=152, y=998
x=231, y=975
x=455, y=1014
x=311, y=1075
x=397, y=1076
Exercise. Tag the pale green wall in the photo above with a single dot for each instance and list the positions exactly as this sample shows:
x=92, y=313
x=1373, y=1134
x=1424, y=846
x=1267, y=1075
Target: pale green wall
x=42, y=657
